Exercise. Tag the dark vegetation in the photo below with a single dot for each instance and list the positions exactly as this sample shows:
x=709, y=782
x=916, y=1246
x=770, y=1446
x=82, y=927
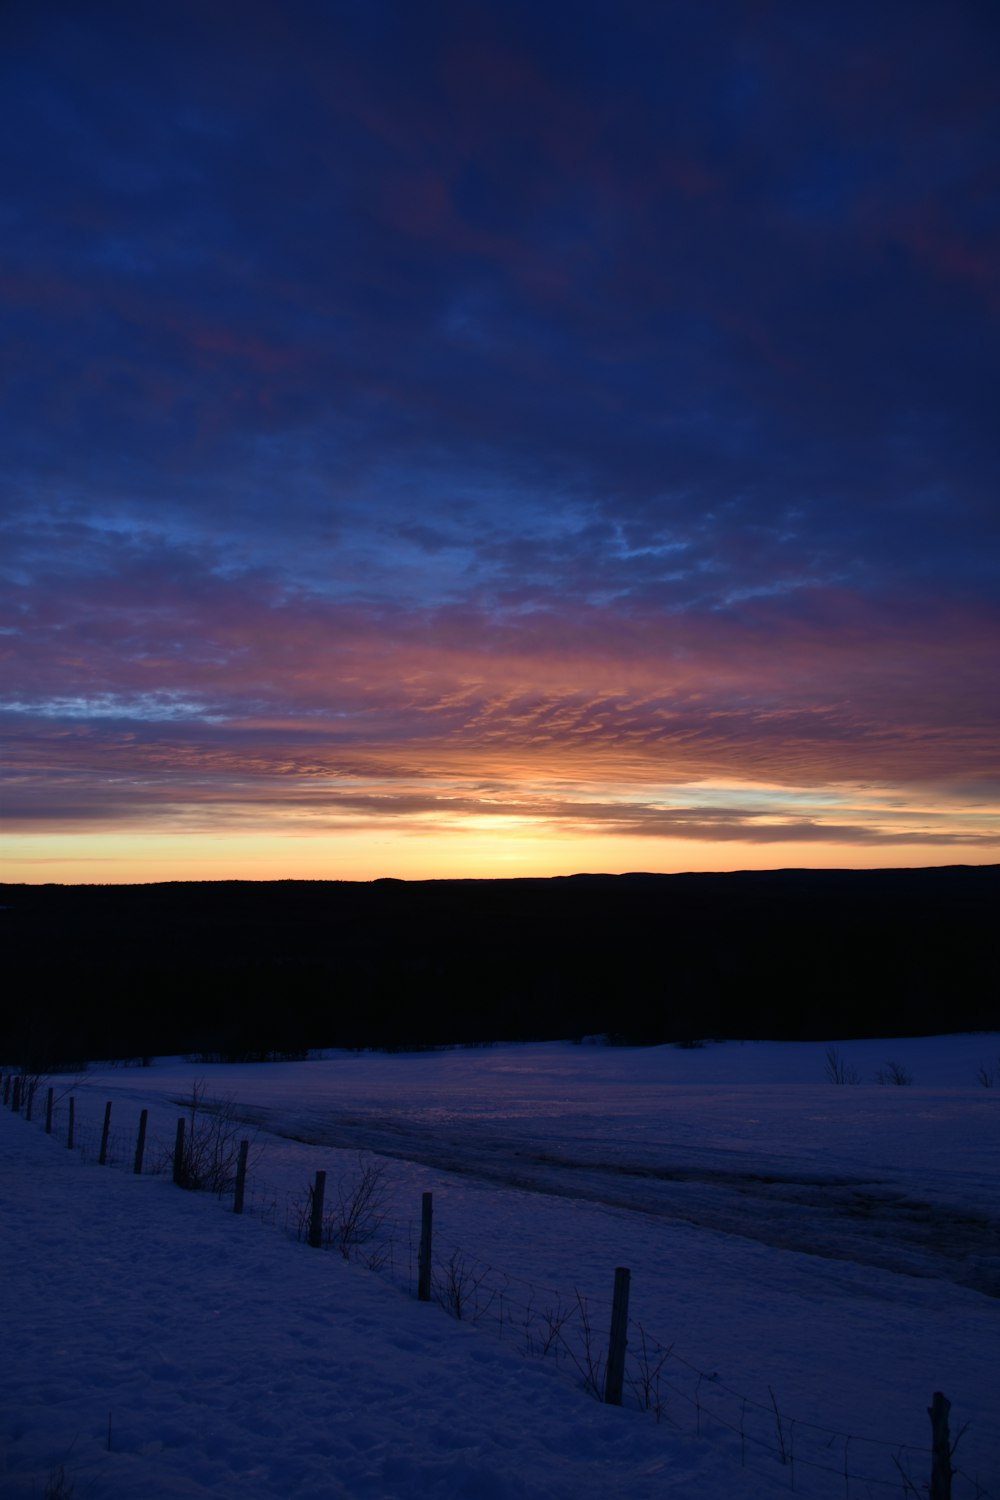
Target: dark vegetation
x=247, y=970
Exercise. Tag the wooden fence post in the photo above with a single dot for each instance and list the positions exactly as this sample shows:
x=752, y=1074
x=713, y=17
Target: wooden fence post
x=50, y=1100
x=16, y=1101
x=316, y=1217
x=72, y=1123
x=6, y=1091
x=941, y=1470
x=424, y=1263
x=241, y=1177
x=179, y=1152
x=102, y=1160
x=30, y=1106
x=614, y=1375
x=140, y=1144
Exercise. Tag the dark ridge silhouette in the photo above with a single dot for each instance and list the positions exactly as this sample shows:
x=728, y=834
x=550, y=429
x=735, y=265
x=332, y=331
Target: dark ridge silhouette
x=243, y=969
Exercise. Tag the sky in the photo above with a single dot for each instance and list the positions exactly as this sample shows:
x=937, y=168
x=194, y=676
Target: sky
x=509, y=438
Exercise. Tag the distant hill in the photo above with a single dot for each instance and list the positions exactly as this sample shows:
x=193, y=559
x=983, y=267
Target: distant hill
x=247, y=969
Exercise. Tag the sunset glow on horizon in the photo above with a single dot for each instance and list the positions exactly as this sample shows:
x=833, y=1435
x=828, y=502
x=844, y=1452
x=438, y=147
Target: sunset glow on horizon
x=513, y=440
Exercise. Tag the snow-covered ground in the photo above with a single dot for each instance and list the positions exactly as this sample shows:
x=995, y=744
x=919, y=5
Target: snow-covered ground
x=809, y=1263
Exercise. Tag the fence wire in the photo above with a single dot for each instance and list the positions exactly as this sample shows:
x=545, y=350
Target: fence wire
x=549, y=1323
x=804, y=1457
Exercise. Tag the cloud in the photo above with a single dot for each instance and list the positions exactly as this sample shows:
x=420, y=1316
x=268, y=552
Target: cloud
x=289, y=787
x=805, y=686
x=462, y=396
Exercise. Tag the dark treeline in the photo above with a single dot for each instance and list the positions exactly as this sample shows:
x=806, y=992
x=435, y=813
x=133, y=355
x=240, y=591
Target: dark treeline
x=257, y=969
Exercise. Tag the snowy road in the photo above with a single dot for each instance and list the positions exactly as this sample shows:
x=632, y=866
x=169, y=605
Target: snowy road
x=865, y=1218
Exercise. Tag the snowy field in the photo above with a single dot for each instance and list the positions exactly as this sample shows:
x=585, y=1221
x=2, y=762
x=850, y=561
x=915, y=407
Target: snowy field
x=809, y=1263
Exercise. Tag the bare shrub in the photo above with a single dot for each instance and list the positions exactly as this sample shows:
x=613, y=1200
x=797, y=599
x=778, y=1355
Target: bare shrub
x=543, y=1327
x=359, y=1210
x=57, y=1486
x=585, y=1352
x=211, y=1149
x=909, y=1488
x=237, y=1054
x=301, y=1211
x=989, y=1074
x=645, y=1376
x=353, y=1215
x=378, y=1256
x=894, y=1072
x=32, y=1085
x=838, y=1069
x=459, y=1289
x=779, y=1428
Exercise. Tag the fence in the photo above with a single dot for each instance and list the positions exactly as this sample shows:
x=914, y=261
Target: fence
x=629, y=1367
x=655, y=1377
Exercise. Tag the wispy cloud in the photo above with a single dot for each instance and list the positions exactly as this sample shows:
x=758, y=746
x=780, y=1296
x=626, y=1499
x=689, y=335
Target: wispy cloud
x=399, y=403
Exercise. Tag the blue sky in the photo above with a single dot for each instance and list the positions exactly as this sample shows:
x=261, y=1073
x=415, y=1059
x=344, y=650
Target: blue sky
x=479, y=439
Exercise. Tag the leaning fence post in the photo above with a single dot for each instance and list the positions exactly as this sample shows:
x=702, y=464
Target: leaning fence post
x=241, y=1177
x=424, y=1262
x=179, y=1152
x=32, y=1086
x=614, y=1375
x=15, y=1103
x=316, y=1218
x=72, y=1122
x=49, y=1104
x=140, y=1144
x=102, y=1160
x=941, y=1470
